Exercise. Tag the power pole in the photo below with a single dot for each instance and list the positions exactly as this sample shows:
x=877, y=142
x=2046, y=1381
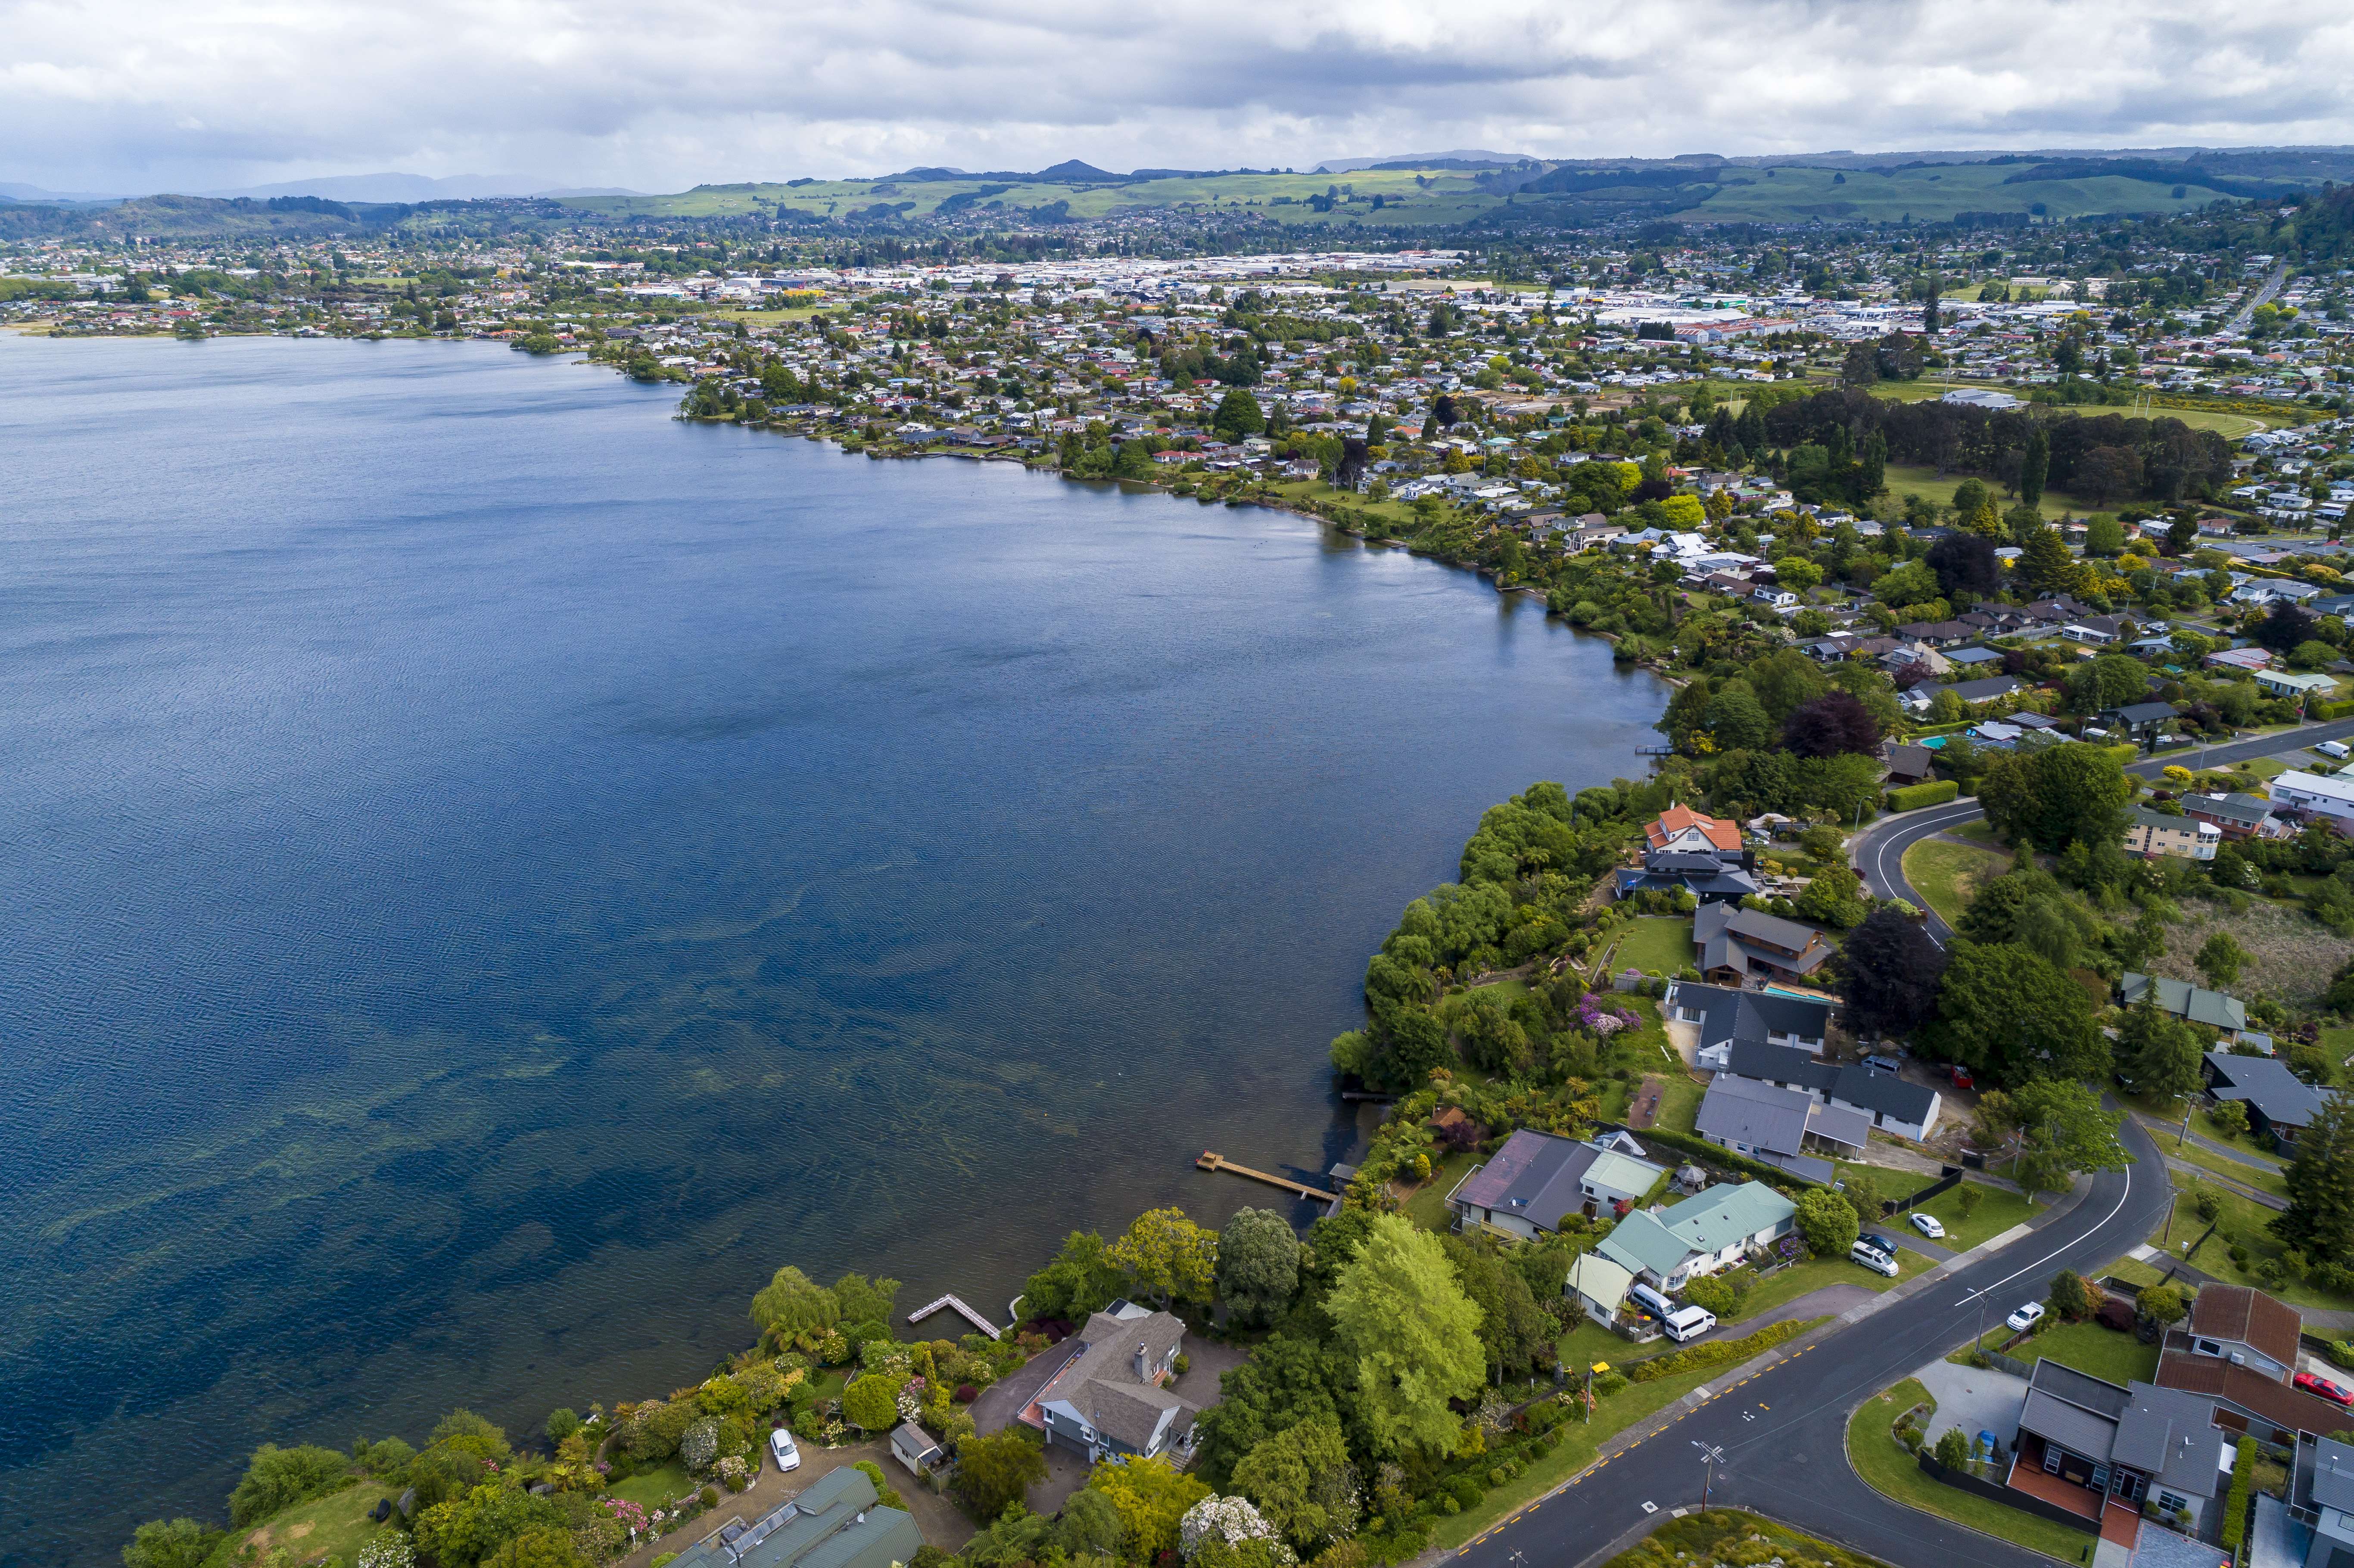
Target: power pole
x=1709, y=1456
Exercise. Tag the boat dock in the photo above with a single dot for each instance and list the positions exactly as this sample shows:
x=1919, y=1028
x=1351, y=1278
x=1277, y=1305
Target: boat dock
x=956, y=1305
x=1209, y=1161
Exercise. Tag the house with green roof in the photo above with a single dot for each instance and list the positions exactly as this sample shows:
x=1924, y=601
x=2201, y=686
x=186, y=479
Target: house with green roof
x=839, y=1521
x=1710, y=1230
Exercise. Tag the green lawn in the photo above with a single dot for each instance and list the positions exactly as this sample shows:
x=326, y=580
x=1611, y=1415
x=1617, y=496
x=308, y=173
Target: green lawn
x=2246, y=1221
x=1948, y=875
x=1679, y=1101
x=2089, y=1348
x=2264, y=1177
x=1655, y=944
x=1998, y=1210
x=1904, y=480
x=1978, y=832
x=1891, y=1469
x=1817, y=1272
x=1428, y=1207
x=1580, y=1443
x=655, y=1489
x=335, y=1525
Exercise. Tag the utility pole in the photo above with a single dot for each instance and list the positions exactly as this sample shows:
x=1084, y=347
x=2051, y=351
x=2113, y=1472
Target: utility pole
x=1709, y=1456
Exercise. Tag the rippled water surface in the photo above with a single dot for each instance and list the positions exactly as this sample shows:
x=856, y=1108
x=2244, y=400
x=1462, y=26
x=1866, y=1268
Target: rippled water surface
x=492, y=870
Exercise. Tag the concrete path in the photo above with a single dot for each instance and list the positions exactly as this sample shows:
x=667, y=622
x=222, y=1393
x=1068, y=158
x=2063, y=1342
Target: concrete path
x=2162, y=1132
x=1974, y=1401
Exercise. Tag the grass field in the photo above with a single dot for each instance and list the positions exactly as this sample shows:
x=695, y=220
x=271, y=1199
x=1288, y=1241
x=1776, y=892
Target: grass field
x=1580, y=1443
x=2089, y=1348
x=1905, y=480
x=1656, y=944
x=1889, y=1468
x=655, y=1489
x=1950, y=875
x=335, y=1525
x=1999, y=1209
x=1428, y=1207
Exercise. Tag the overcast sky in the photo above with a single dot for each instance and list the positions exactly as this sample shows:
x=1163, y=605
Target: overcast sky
x=145, y=95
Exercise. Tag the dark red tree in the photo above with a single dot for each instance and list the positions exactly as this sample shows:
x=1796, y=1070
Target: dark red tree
x=1826, y=726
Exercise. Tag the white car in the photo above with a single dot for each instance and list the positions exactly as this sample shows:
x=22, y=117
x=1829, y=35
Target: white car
x=2025, y=1318
x=780, y=1444
x=1928, y=1226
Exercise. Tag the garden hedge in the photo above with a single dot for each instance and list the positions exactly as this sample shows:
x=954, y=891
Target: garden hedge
x=1912, y=796
x=2236, y=1510
x=1717, y=1353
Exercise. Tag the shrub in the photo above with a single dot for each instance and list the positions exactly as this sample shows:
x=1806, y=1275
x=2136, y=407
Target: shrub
x=1953, y=1448
x=277, y=1478
x=711, y=1497
x=966, y=1393
x=1716, y=1353
x=1711, y=1294
x=562, y=1423
x=178, y=1543
x=663, y=1559
x=1912, y=796
x=2235, y=1508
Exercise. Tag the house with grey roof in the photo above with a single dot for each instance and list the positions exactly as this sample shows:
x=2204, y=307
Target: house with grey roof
x=1706, y=877
x=1780, y=1126
x=839, y=1521
x=1526, y=1188
x=2131, y=1446
x=1724, y=1017
x=1109, y=1398
x=1740, y=947
x=2280, y=1104
x=2184, y=1001
x=1893, y=1105
x=2321, y=1497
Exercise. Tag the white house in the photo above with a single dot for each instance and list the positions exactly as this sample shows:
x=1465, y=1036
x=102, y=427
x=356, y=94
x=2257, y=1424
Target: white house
x=2331, y=797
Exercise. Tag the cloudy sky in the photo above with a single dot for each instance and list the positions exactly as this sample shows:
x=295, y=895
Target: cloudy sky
x=142, y=95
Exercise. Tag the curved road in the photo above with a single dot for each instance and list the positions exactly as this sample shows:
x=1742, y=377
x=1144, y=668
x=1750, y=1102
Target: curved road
x=1879, y=856
x=1782, y=1435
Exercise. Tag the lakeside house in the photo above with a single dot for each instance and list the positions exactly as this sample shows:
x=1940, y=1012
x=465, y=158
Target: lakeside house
x=2195, y=1004
x=838, y=1522
x=1536, y=1179
x=1109, y=1398
x=1779, y=1125
x=1723, y=1016
x=1738, y=946
x=1887, y=1102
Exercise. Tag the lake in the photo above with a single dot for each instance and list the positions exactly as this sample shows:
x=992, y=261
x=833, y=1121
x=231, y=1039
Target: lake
x=494, y=871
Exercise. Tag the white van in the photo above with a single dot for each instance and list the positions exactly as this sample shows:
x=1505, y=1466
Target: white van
x=2332, y=749
x=1652, y=1301
x=1689, y=1324
x=1873, y=1258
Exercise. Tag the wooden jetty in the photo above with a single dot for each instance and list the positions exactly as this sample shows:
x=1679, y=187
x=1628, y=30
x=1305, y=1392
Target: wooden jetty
x=1209, y=1161
x=954, y=1304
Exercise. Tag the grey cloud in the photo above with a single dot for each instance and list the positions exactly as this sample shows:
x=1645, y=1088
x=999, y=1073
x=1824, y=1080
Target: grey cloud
x=205, y=93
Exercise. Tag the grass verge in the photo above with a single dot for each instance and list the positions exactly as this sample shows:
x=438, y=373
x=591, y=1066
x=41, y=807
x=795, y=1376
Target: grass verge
x=1950, y=875
x=1728, y=1535
x=2247, y=1223
x=1890, y=1469
x=1797, y=1280
x=2089, y=1348
x=1580, y=1443
x=1999, y=1209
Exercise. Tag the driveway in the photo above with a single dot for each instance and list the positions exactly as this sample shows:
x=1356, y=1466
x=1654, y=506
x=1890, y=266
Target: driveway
x=1974, y=1401
x=1001, y=1400
x=943, y=1523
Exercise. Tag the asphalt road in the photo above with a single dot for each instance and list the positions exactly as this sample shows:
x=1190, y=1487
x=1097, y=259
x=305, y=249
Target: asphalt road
x=2247, y=313
x=1880, y=856
x=1783, y=1436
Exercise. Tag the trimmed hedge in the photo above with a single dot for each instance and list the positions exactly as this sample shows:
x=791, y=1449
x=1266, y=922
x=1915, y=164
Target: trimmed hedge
x=1912, y=796
x=2235, y=1508
x=2330, y=710
x=1721, y=1353
x=1720, y=1155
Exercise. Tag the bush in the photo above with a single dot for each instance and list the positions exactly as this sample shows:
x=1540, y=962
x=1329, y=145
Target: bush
x=562, y=1423
x=1716, y=1353
x=178, y=1543
x=1912, y=796
x=1953, y=1448
x=2235, y=1508
x=1827, y=1223
x=1711, y=1294
x=711, y=1497
x=277, y=1478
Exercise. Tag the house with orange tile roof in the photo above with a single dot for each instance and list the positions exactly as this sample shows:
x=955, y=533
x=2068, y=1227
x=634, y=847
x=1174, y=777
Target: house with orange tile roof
x=1682, y=828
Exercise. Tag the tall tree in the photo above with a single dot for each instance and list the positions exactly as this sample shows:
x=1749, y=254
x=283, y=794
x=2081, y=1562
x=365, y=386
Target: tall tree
x=2320, y=1214
x=1399, y=1316
x=1289, y=1476
x=2013, y=1015
x=2035, y=466
x=1258, y=1264
x=2063, y=1133
x=1167, y=1256
x=1889, y=970
x=2159, y=1053
x=1967, y=567
x=999, y=1469
x=1826, y=726
x=794, y=1310
x=2045, y=565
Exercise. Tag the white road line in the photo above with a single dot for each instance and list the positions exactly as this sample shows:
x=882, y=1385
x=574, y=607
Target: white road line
x=2055, y=1252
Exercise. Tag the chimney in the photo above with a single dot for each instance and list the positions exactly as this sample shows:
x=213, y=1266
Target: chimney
x=1141, y=1376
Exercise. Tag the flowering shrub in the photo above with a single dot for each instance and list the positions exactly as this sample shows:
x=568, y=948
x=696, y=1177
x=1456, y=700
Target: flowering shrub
x=1231, y=1520
x=911, y=1400
x=1603, y=1019
x=734, y=1471
x=626, y=1514
x=390, y=1550
x=700, y=1444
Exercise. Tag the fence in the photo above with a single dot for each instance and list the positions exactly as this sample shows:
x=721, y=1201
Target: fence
x=1964, y=1481
x=1950, y=1179
x=2010, y=1364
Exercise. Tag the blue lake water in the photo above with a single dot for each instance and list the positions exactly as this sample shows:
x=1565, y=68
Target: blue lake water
x=492, y=870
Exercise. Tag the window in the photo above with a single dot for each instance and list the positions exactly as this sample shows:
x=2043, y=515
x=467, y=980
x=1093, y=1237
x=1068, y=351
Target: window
x=2173, y=1503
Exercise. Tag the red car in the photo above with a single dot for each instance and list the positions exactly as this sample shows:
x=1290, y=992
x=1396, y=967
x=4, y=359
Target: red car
x=2310, y=1383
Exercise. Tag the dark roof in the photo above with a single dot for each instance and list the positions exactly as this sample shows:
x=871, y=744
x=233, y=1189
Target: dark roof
x=1884, y=1093
x=1533, y=1177
x=838, y=1522
x=2072, y=1409
x=1984, y=691
x=1100, y=1382
x=1752, y=1015
x=2266, y=1084
x=2327, y=1476
x=1911, y=762
x=1725, y=932
x=2240, y=811
x=2146, y=712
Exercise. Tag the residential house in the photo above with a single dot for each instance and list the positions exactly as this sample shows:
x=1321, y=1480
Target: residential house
x=2280, y=1104
x=1682, y=828
x=2150, y=833
x=1938, y=633
x=1780, y=1126
x=2246, y=1327
x=1725, y=1017
x=2295, y=687
x=2237, y=816
x=1738, y=946
x=837, y=1521
x=1107, y=1398
x=2331, y=798
x=1706, y=1232
x=1598, y=1286
x=2142, y=721
x=1977, y=660
x=1702, y=874
x=2135, y=1444
x=2099, y=631
x=1891, y=1105
x=2181, y=998
x=2321, y=1497
x=1527, y=1187
x=1907, y=763
x=2251, y=659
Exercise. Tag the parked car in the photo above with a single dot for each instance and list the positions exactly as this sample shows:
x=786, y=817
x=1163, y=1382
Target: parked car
x=1961, y=1075
x=1873, y=1258
x=2026, y=1317
x=1928, y=1226
x=1883, y=1063
x=1689, y=1324
x=2336, y=749
x=780, y=1444
x=1877, y=1243
x=2321, y=1387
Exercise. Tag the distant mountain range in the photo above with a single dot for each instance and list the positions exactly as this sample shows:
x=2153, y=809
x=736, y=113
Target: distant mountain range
x=390, y=188
x=1460, y=158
